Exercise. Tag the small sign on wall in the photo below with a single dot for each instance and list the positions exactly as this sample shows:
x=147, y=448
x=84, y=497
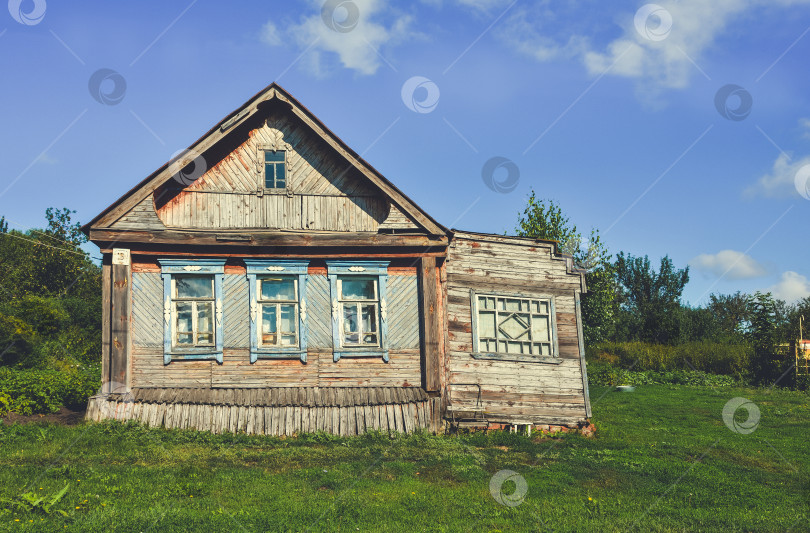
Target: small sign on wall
x=120, y=256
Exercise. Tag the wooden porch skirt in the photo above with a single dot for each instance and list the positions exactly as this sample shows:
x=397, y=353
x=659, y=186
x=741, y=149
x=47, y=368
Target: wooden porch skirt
x=279, y=411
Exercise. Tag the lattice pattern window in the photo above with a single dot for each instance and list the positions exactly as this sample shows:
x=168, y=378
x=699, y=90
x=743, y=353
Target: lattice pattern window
x=278, y=309
x=513, y=325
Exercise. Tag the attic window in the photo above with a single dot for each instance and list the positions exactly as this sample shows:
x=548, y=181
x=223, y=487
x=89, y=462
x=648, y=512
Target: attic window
x=275, y=171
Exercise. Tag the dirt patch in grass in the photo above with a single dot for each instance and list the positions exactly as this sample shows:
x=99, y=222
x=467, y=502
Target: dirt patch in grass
x=63, y=417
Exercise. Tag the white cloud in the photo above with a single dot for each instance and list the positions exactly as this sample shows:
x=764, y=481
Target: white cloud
x=781, y=182
x=792, y=286
x=729, y=263
x=667, y=63
x=270, y=34
x=358, y=48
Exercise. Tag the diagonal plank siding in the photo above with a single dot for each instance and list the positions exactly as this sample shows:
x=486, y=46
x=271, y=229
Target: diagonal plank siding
x=403, y=321
x=319, y=313
x=236, y=311
x=147, y=309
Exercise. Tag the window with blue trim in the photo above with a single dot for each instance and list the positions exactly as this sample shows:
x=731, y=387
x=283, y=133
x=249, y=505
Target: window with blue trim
x=359, y=308
x=192, y=309
x=278, y=309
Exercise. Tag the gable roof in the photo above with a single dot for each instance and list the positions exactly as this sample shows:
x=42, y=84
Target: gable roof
x=225, y=126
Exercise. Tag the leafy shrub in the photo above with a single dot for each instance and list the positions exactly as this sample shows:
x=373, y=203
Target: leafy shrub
x=713, y=357
x=32, y=391
x=16, y=340
x=602, y=374
x=45, y=315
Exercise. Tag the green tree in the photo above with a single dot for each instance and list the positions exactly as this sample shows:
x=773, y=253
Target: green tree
x=544, y=219
x=651, y=300
x=60, y=226
x=732, y=312
x=766, y=363
x=50, y=295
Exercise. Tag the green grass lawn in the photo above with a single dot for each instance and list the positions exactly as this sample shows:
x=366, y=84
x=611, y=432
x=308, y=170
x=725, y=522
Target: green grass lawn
x=662, y=460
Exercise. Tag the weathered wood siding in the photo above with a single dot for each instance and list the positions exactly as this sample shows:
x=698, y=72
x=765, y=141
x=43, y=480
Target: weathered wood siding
x=273, y=411
x=327, y=194
x=511, y=391
x=148, y=370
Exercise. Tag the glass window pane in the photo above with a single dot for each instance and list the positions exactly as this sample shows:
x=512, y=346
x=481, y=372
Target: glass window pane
x=274, y=156
x=278, y=289
x=205, y=315
x=512, y=305
x=281, y=174
x=184, y=313
x=358, y=289
x=350, y=329
x=205, y=338
x=194, y=286
x=185, y=338
x=288, y=318
x=269, y=324
x=486, y=325
x=540, y=329
x=369, y=313
x=370, y=338
x=514, y=326
x=288, y=340
x=269, y=177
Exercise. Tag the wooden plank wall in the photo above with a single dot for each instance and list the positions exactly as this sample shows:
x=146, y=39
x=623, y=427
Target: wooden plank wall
x=513, y=391
x=148, y=370
x=142, y=216
x=327, y=194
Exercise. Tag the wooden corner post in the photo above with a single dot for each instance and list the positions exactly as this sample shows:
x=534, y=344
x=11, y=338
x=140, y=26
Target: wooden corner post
x=120, y=287
x=430, y=326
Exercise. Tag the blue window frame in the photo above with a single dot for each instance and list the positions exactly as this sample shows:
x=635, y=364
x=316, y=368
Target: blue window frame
x=275, y=169
x=359, y=308
x=192, y=309
x=278, y=309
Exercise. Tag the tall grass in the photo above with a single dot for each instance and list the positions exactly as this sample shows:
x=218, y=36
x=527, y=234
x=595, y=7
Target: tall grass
x=713, y=357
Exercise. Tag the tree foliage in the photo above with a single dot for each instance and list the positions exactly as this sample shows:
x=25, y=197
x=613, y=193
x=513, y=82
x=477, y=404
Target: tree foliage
x=766, y=361
x=50, y=296
x=650, y=300
x=544, y=219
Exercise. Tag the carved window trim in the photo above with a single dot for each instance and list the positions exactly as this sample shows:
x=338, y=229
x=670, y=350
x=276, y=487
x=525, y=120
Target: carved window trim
x=169, y=269
x=276, y=144
x=256, y=269
x=366, y=269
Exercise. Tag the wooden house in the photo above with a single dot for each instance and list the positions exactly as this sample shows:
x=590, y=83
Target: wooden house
x=271, y=281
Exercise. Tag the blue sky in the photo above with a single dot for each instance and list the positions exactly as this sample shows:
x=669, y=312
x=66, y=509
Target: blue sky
x=621, y=111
